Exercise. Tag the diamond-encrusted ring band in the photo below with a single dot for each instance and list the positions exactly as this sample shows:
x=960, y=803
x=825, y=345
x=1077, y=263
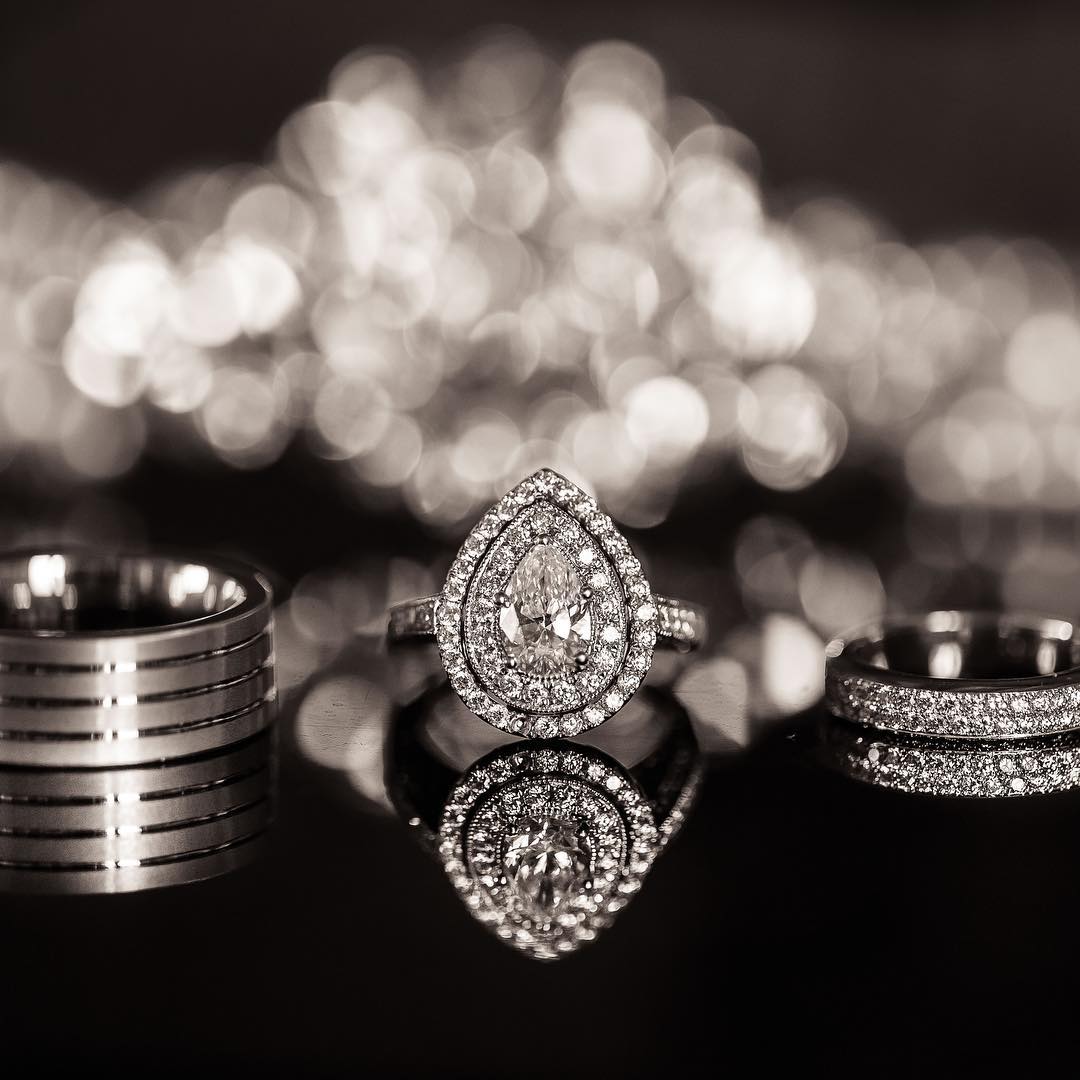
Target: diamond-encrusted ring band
x=959, y=675
x=546, y=624
x=954, y=768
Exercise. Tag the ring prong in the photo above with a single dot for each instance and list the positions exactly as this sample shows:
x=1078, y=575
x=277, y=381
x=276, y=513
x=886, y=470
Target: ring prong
x=581, y=660
x=586, y=593
x=502, y=599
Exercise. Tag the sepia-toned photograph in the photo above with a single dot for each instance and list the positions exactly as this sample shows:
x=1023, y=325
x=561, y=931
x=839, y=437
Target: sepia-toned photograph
x=539, y=540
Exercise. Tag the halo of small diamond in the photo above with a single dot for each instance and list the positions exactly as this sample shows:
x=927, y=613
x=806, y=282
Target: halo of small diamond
x=546, y=506
x=495, y=794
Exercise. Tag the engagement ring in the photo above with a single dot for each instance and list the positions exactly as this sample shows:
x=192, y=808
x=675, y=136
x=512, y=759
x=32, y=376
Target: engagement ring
x=546, y=624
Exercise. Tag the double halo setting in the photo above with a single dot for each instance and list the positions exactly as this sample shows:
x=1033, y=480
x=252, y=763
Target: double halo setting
x=547, y=624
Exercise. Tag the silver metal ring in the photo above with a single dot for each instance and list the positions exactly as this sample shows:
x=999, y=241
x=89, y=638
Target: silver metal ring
x=135, y=843
x=956, y=768
x=546, y=624
x=74, y=682
x=114, y=660
x=30, y=717
x=29, y=817
x=135, y=747
x=132, y=783
x=110, y=614
x=959, y=674
x=134, y=876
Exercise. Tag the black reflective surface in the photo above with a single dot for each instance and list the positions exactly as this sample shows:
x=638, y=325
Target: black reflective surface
x=800, y=920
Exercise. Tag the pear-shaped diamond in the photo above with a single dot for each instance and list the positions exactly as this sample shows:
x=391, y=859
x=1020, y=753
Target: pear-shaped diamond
x=545, y=623
x=547, y=864
x=545, y=847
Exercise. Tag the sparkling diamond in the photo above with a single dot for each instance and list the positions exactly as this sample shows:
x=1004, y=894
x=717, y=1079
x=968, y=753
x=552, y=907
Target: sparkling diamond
x=571, y=725
x=547, y=863
x=546, y=625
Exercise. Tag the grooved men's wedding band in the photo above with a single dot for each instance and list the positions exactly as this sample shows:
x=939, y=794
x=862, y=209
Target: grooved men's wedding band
x=134, y=844
x=546, y=624
x=135, y=747
x=109, y=660
x=27, y=817
x=68, y=681
x=84, y=612
x=123, y=829
x=133, y=875
x=959, y=674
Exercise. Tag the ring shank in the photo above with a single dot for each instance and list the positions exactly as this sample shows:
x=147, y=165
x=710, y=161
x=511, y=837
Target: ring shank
x=102, y=612
x=680, y=625
x=959, y=674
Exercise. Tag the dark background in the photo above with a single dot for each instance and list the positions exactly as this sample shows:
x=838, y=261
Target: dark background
x=943, y=117
x=802, y=922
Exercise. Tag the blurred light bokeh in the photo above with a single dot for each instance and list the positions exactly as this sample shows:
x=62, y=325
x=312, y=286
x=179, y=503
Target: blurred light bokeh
x=444, y=277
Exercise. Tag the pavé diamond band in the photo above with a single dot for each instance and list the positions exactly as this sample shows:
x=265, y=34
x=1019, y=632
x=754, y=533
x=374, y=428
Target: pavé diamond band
x=954, y=768
x=959, y=675
x=546, y=624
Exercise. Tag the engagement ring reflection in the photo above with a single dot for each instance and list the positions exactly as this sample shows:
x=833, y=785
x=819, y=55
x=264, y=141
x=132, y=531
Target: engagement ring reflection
x=546, y=843
x=546, y=624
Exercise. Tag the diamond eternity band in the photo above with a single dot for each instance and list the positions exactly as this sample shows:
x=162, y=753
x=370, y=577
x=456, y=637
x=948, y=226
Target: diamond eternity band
x=959, y=675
